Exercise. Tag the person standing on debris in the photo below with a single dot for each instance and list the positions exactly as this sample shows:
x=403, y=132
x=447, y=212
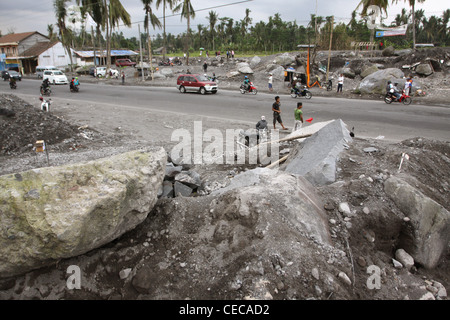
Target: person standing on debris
x=298, y=114
x=123, y=77
x=270, y=83
x=276, y=113
x=205, y=67
x=340, y=83
x=408, y=85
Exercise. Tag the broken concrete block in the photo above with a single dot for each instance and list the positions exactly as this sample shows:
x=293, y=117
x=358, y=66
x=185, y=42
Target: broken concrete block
x=182, y=189
x=315, y=158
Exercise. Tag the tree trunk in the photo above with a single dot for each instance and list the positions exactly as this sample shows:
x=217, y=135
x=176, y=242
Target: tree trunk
x=164, y=31
x=414, y=26
x=108, y=39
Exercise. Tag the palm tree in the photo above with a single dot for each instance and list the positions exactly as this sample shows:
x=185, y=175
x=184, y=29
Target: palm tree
x=187, y=12
x=171, y=3
x=51, y=33
x=98, y=12
x=366, y=4
x=212, y=18
x=412, y=4
x=65, y=33
x=115, y=13
x=150, y=18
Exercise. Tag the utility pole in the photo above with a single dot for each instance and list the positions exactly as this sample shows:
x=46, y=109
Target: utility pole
x=150, y=56
x=93, y=45
x=140, y=52
x=329, y=50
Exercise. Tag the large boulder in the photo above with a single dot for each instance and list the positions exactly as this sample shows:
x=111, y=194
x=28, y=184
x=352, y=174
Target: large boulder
x=347, y=72
x=244, y=67
x=369, y=70
x=255, y=61
x=427, y=235
x=424, y=69
x=284, y=60
x=388, y=52
x=377, y=81
x=54, y=213
x=315, y=158
x=167, y=72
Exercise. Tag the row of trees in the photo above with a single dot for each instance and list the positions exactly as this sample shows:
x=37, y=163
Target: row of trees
x=224, y=33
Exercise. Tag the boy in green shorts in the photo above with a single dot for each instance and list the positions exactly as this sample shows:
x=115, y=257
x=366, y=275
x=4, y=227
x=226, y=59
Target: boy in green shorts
x=298, y=113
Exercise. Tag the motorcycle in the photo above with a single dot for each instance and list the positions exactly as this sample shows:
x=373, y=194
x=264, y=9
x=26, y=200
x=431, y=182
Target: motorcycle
x=303, y=92
x=250, y=89
x=45, y=92
x=74, y=88
x=390, y=97
x=12, y=85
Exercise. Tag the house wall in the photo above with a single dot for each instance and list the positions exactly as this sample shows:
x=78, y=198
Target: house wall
x=55, y=56
x=31, y=41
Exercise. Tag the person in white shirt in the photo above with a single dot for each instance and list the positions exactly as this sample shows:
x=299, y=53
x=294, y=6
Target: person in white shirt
x=270, y=82
x=340, y=82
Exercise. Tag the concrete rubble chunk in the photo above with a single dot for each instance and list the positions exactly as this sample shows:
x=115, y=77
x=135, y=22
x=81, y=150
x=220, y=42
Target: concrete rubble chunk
x=315, y=158
x=182, y=189
x=404, y=258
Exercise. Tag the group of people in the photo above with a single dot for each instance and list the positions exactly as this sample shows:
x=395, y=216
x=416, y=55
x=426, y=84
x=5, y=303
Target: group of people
x=393, y=89
x=276, y=109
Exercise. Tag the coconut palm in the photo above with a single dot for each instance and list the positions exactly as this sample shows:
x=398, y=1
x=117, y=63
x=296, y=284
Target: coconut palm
x=65, y=33
x=412, y=4
x=187, y=12
x=150, y=18
x=116, y=13
x=212, y=18
x=366, y=4
x=164, y=3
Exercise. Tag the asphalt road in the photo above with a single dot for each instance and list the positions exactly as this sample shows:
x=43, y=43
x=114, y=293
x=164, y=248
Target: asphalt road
x=370, y=119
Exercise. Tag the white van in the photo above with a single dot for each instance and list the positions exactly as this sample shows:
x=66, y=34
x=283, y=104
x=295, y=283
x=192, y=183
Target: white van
x=55, y=77
x=40, y=70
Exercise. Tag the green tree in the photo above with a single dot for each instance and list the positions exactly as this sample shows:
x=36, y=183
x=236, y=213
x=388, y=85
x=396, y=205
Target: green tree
x=164, y=3
x=212, y=18
x=65, y=33
x=187, y=12
x=412, y=4
x=150, y=18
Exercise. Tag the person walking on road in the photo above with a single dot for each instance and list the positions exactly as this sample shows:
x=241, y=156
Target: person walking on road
x=276, y=113
x=123, y=77
x=298, y=114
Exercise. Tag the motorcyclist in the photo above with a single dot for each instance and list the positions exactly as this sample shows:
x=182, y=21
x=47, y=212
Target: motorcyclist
x=76, y=82
x=45, y=84
x=246, y=83
x=12, y=82
x=72, y=83
x=296, y=85
x=393, y=90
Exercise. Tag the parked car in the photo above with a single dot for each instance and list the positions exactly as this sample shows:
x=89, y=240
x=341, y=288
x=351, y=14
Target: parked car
x=196, y=82
x=11, y=73
x=40, y=70
x=55, y=77
x=125, y=63
x=101, y=72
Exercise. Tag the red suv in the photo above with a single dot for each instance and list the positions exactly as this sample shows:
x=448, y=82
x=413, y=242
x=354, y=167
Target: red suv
x=196, y=82
x=125, y=63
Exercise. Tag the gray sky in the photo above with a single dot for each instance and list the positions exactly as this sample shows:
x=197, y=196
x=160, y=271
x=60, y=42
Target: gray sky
x=34, y=15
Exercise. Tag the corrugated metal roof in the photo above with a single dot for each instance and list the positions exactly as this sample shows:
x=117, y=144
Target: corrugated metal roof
x=114, y=53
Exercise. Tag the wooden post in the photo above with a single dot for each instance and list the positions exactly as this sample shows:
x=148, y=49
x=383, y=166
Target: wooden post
x=329, y=50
